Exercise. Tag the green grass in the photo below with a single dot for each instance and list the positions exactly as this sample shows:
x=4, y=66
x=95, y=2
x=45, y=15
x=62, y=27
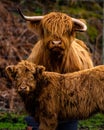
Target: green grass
x=12, y=126
x=13, y=121
x=93, y=123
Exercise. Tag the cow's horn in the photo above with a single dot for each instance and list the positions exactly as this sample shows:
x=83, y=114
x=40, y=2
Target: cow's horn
x=30, y=18
x=84, y=27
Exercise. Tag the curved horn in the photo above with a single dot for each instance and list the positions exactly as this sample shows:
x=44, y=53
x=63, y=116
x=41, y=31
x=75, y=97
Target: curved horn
x=30, y=18
x=84, y=27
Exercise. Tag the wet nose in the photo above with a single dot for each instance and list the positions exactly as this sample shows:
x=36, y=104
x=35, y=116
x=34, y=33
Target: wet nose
x=23, y=88
x=56, y=42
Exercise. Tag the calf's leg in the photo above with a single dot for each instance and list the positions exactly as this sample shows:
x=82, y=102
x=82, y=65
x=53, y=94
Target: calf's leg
x=48, y=123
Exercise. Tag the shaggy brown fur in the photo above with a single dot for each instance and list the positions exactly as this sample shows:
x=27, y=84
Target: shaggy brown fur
x=50, y=96
x=69, y=55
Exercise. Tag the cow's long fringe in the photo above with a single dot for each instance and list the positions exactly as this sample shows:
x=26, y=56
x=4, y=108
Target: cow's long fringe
x=57, y=23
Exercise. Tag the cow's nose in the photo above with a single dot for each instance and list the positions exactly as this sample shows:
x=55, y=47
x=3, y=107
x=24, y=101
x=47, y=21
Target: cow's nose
x=56, y=42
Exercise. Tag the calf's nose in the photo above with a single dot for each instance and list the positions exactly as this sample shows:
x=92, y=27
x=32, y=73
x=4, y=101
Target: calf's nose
x=22, y=88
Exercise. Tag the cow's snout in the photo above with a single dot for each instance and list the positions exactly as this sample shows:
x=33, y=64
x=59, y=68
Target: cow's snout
x=56, y=46
x=56, y=42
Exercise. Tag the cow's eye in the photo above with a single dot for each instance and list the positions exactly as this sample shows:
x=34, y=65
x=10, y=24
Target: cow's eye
x=46, y=32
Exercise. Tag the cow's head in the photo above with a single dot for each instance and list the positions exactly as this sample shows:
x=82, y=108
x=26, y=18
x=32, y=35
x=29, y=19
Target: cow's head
x=25, y=75
x=55, y=29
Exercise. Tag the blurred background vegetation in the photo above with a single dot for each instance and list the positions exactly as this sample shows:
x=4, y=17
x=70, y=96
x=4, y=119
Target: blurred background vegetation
x=16, y=42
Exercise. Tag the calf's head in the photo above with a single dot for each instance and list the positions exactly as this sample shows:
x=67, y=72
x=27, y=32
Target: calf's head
x=25, y=76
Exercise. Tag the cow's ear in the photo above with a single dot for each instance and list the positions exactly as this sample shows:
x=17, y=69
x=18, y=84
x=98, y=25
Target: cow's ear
x=79, y=27
x=34, y=26
x=10, y=70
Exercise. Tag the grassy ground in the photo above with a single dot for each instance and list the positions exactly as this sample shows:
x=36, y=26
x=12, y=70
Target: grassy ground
x=12, y=121
x=94, y=123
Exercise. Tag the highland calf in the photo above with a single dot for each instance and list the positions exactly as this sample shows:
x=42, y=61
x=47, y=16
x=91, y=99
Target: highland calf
x=50, y=96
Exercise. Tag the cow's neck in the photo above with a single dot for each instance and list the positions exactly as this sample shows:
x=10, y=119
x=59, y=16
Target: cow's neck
x=56, y=62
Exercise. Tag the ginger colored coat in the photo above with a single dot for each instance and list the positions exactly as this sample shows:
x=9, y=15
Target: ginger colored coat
x=58, y=49
x=50, y=96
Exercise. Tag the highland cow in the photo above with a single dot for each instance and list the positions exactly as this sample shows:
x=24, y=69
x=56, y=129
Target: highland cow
x=58, y=49
x=50, y=96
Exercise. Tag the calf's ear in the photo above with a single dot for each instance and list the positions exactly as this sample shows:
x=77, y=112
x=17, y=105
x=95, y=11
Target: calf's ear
x=40, y=69
x=10, y=70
